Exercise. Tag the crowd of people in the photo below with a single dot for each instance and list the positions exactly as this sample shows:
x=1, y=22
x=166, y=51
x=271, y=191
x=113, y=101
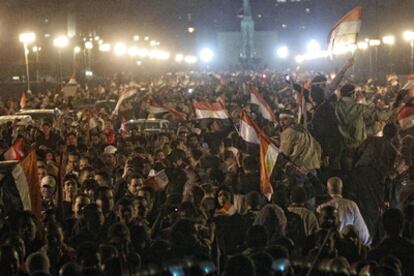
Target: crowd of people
x=187, y=200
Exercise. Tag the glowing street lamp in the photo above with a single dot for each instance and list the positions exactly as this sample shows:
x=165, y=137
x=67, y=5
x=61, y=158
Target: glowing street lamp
x=120, y=49
x=388, y=40
x=362, y=45
x=88, y=45
x=206, y=55
x=105, y=47
x=313, y=46
x=36, y=50
x=136, y=37
x=26, y=39
x=282, y=52
x=179, y=58
x=374, y=42
x=76, y=50
x=409, y=36
x=133, y=51
x=60, y=43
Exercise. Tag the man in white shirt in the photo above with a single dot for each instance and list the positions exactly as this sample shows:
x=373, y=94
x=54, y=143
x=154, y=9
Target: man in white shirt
x=347, y=209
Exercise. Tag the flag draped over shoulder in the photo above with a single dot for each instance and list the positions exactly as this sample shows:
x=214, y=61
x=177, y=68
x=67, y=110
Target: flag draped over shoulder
x=22, y=187
x=345, y=31
x=269, y=153
x=205, y=110
x=264, y=108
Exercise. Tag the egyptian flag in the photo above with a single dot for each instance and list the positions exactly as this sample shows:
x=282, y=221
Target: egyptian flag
x=21, y=186
x=345, y=32
x=410, y=85
x=157, y=108
x=124, y=96
x=248, y=129
x=264, y=108
x=23, y=100
x=405, y=117
x=204, y=110
x=269, y=154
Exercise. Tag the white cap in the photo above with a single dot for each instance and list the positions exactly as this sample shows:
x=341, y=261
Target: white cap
x=110, y=150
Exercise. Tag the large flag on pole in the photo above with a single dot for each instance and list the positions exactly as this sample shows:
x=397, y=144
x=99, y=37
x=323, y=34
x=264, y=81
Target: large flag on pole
x=264, y=108
x=345, y=32
x=269, y=153
x=248, y=129
x=205, y=110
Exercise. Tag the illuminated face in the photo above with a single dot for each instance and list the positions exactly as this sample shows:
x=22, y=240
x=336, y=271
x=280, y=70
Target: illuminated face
x=134, y=185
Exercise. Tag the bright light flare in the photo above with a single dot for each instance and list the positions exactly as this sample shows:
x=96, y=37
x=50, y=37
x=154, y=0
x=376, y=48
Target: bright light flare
x=408, y=35
x=206, y=55
x=388, y=40
x=133, y=51
x=27, y=38
x=282, y=52
x=362, y=45
x=313, y=46
x=299, y=59
x=77, y=50
x=120, y=49
x=374, y=42
x=105, y=47
x=61, y=42
x=88, y=45
x=179, y=58
x=190, y=59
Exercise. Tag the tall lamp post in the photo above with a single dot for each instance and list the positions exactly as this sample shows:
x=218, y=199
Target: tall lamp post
x=76, y=51
x=26, y=39
x=389, y=40
x=36, y=50
x=60, y=43
x=409, y=36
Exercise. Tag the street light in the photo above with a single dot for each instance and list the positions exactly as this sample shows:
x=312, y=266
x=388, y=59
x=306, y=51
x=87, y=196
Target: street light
x=282, y=52
x=27, y=38
x=105, y=47
x=36, y=50
x=133, y=51
x=362, y=45
x=76, y=51
x=374, y=42
x=120, y=49
x=409, y=36
x=60, y=42
x=88, y=45
x=313, y=46
x=206, y=55
x=388, y=40
x=179, y=58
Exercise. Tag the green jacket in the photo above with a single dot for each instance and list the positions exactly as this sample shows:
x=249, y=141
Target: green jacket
x=351, y=118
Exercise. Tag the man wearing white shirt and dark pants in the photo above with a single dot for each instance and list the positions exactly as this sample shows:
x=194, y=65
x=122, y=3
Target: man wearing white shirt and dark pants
x=347, y=209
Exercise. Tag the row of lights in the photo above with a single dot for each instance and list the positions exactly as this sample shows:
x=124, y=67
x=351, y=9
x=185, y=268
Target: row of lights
x=121, y=49
x=314, y=50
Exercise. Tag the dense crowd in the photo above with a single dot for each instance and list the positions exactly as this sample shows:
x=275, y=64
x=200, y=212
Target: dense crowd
x=187, y=200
